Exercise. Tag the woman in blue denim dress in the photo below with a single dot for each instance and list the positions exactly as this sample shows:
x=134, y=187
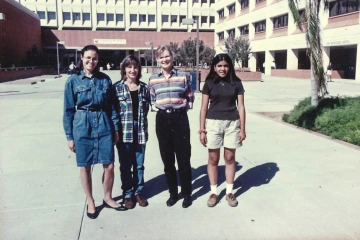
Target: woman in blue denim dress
x=91, y=124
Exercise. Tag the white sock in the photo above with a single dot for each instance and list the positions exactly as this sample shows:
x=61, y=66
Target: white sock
x=229, y=188
x=213, y=189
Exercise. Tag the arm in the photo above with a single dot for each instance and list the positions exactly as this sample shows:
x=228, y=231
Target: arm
x=189, y=92
x=69, y=112
x=242, y=114
x=114, y=113
x=203, y=111
x=152, y=95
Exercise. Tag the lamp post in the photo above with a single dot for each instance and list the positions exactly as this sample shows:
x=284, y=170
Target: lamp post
x=152, y=55
x=57, y=54
x=190, y=21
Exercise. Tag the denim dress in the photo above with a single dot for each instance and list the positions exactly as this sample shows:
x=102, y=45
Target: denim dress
x=90, y=118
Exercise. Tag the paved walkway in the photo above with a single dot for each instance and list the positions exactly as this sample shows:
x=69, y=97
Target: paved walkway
x=290, y=184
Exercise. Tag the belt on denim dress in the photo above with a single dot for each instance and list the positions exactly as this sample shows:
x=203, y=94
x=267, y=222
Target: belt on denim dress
x=92, y=109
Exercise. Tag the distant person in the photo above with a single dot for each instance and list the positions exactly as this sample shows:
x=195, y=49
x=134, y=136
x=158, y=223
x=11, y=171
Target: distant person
x=329, y=72
x=91, y=124
x=222, y=123
x=108, y=66
x=71, y=68
x=133, y=106
x=273, y=65
x=171, y=93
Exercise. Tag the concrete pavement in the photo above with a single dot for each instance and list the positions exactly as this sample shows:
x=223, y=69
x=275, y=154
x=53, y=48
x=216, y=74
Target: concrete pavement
x=290, y=183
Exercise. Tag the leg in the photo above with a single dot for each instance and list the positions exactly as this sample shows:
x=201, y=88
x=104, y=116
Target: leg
x=125, y=154
x=213, y=163
x=230, y=167
x=108, y=182
x=85, y=176
x=138, y=168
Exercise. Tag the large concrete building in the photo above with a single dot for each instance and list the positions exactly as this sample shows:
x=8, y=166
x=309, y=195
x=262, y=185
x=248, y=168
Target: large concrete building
x=274, y=36
x=120, y=27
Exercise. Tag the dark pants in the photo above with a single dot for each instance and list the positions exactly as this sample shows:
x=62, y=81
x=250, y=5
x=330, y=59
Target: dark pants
x=173, y=133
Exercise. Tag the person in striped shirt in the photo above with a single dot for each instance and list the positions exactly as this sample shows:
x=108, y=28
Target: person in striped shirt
x=171, y=94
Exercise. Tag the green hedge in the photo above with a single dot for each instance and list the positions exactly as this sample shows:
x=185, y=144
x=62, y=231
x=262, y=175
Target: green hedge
x=337, y=117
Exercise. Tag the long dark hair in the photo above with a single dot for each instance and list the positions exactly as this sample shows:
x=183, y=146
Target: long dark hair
x=130, y=60
x=231, y=76
x=80, y=66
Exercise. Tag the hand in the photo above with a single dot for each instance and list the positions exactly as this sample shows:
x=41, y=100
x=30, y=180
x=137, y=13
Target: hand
x=71, y=145
x=203, y=139
x=116, y=137
x=242, y=136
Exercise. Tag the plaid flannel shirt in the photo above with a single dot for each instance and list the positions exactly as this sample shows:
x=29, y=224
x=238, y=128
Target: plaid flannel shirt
x=125, y=110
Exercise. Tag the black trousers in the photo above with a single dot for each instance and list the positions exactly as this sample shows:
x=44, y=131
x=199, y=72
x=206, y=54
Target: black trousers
x=173, y=133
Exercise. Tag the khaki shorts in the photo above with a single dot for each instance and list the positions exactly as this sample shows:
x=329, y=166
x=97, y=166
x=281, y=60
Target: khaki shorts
x=223, y=133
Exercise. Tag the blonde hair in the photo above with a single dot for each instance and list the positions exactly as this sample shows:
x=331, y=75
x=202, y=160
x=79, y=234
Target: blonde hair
x=163, y=48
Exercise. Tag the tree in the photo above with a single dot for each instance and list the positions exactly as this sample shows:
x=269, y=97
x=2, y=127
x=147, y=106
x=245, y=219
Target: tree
x=238, y=50
x=34, y=57
x=207, y=55
x=187, y=51
x=312, y=30
x=148, y=55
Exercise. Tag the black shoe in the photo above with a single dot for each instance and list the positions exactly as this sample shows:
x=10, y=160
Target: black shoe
x=171, y=201
x=92, y=215
x=120, y=208
x=187, y=202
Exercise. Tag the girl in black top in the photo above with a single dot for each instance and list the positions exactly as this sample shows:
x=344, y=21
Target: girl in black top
x=222, y=123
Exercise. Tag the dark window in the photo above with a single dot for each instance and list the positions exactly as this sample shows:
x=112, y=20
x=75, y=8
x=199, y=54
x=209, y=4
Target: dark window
x=66, y=16
x=86, y=16
x=231, y=9
x=244, y=30
x=196, y=18
x=165, y=0
x=221, y=13
x=343, y=6
x=100, y=17
x=260, y=26
x=244, y=4
x=195, y=1
x=109, y=17
x=212, y=1
x=133, y=18
x=119, y=18
x=181, y=17
x=76, y=16
x=204, y=19
x=231, y=33
x=212, y=19
x=151, y=18
x=41, y=14
x=281, y=21
x=165, y=18
x=257, y=1
x=302, y=16
x=51, y=16
x=142, y=18
x=173, y=18
x=182, y=0
x=174, y=1
x=221, y=35
x=203, y=1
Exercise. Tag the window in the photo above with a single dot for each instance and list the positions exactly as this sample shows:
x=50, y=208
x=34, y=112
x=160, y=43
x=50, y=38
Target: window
x=133, y=18
x=182, y=0
x=181, y=18
x=260, y=26
x=76, y=16
x=204, y=19
x=212, y=19
x=244, y=4
x=173, y=18
x=281, y=21
x=100, y=17
x=151, y=18
x=258, y=1
x=231, y=9
x=51, y=16
x=221, y=36
x=41, y=14
x=174, y=1
x=195, y=18
x=203, y=1
x=212, y=1
x=302, y=16
x=244, y=30
x=165, y=1
x=221, y=13
x=109, y=17
x=195, y=1
x=340, y=7
x=231, y=33
x=165, y=18
x=142, y=18
x=86, y=16
x=119, y=18
x=66, y=16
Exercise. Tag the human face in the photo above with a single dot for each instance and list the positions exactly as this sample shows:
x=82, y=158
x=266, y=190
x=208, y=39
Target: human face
x=90, y=61
x=222, y=68
x=165, y=59
x=131, y=72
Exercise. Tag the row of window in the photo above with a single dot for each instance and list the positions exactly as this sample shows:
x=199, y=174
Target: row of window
x=231, y=8
x=340, y=7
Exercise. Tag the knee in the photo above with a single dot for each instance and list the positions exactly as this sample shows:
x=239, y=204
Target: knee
x=213, y=161
x=229, y=160
x=109, y=167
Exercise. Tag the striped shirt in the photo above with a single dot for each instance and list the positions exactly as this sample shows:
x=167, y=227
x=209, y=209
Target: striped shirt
x=125, y=110
x=172, y=93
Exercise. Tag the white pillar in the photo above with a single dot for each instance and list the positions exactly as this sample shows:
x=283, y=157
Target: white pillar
x=292, y=59
x=252, y=62
x=357, y=73
x=269, y=58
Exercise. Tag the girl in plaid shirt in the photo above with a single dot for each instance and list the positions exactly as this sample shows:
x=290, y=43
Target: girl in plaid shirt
x=133, y=99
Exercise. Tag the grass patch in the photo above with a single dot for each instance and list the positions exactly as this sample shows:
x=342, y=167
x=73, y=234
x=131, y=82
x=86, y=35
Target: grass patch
x=337, y=117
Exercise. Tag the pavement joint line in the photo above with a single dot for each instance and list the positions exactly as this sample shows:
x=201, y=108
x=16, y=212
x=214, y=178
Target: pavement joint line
x=36, y=208
x=353, y=146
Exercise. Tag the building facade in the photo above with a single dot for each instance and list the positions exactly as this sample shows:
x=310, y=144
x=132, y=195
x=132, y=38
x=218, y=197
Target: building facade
x=278, y=45
x=120, y=27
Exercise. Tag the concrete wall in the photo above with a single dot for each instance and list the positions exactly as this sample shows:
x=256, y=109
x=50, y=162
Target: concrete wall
x=22, y=73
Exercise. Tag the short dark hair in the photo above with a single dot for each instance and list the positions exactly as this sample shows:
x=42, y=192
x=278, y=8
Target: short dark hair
x=80, y=66
x=129, y=60
x=231, y=74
